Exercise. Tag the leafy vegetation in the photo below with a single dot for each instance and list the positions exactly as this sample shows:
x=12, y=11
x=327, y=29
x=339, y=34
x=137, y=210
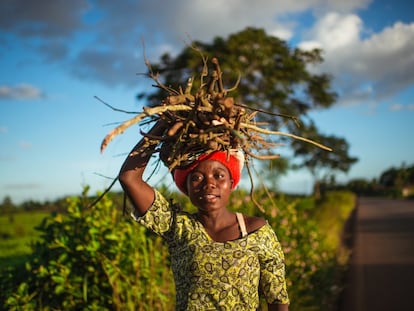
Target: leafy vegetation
x=331, y=215
x=98, y=259
x=91, y=259
x=322, y=164
x=17, y=232
x=394, y=182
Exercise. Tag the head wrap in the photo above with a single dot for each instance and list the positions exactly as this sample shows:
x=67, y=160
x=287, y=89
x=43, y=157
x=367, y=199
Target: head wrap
x=233, y=160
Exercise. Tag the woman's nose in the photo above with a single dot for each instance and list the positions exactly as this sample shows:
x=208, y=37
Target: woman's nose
x=209, y=182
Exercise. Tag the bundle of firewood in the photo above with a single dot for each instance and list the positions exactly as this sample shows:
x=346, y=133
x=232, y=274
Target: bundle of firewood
x=202, y=121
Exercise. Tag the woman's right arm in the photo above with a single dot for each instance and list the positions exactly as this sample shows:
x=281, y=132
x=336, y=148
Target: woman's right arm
x=130, y=176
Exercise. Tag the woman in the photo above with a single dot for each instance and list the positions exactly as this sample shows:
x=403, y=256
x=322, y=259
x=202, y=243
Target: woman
x=221, y=260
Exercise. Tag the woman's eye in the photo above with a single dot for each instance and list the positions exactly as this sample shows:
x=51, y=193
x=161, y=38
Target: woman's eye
x=196, y=177
x=220, y=176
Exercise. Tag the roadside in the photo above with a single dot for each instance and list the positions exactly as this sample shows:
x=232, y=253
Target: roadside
x=381, y=271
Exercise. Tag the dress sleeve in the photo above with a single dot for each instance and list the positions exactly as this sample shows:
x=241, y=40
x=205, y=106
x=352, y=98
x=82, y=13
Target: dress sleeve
x=158, y=217
x=272, y=265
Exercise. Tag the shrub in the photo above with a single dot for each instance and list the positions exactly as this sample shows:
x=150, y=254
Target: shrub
x=313, y=266
x=94, y=259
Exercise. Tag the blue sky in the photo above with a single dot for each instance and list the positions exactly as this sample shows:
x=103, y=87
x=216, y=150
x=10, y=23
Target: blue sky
x=55, y=56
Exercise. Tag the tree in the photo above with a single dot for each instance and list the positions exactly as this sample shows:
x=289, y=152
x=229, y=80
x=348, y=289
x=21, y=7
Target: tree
x=273, y=78
x=397, y=177
x=319, y=162
x=7, y=205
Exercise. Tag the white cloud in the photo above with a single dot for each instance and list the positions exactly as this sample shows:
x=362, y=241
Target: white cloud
x=335, y=32
x=112, y=53
x=25, y=144
x=114, y=29
x=396, y=107
x=21, y=91
x=379, y=64
x=400, y=107
x=388, y=58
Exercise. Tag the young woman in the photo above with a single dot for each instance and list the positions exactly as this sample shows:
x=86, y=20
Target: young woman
x=221, y=260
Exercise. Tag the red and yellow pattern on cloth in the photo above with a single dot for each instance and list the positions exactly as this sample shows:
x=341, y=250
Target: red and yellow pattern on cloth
x=212, y=275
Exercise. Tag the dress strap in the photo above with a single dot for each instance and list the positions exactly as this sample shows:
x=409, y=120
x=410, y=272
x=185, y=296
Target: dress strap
x=242, y=224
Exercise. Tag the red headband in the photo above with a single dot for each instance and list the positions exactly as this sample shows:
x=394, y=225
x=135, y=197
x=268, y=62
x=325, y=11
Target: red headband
x=234, y=164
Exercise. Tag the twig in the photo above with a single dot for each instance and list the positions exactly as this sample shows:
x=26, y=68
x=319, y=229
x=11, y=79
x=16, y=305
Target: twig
x=94, y=202
x=268, y=132
x=113, y=108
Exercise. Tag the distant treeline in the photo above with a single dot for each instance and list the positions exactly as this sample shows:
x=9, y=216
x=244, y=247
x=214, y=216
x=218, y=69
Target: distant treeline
x=393, y=182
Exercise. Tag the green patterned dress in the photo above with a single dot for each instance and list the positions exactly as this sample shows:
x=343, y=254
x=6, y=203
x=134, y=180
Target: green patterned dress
x=212, y=275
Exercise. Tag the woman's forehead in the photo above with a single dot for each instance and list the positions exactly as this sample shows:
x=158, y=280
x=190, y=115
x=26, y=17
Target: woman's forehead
x=210, y=164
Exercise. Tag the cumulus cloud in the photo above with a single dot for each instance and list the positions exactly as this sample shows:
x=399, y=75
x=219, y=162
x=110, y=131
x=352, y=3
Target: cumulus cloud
x=335, y=32
x=401, y=107
x=101, y=41
x=21, y=91
x=110, y=50
x=389, y=57
x=366, y=68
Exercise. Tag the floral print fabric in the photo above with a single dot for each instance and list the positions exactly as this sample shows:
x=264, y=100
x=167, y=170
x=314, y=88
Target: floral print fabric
x=213, y=275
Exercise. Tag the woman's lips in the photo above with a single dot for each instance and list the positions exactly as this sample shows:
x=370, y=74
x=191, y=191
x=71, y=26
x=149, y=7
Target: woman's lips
x=209, y=197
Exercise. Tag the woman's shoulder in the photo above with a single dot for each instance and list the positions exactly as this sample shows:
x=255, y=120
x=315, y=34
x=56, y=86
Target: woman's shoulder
x=254, y=223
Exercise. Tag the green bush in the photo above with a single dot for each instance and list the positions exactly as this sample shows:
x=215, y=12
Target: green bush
x=98, y=259
x=92, y=259
x=331, y=213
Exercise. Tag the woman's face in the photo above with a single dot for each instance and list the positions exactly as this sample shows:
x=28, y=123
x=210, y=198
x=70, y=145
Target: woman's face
x=209, y=185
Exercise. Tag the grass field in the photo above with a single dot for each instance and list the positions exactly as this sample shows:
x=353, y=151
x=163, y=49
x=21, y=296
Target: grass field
x=17, y=231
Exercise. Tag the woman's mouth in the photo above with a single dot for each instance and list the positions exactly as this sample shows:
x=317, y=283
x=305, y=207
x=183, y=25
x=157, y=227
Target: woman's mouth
x=208, y=197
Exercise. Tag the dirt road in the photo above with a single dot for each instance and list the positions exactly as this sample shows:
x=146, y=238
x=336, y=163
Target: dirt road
x=381, y=275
